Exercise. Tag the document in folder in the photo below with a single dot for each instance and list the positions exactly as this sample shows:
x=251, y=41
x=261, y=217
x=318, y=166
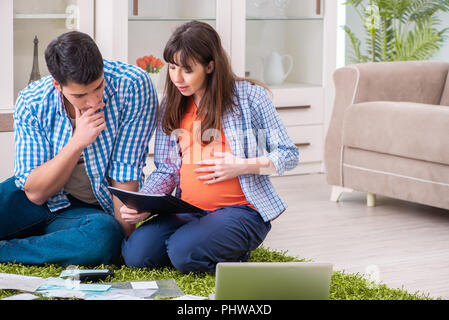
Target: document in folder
x=154, y=203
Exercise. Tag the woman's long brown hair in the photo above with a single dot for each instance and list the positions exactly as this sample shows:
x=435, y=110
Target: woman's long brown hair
x=198, y=41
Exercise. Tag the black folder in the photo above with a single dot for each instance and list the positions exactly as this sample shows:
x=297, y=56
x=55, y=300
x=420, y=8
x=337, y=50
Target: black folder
x=154, y=203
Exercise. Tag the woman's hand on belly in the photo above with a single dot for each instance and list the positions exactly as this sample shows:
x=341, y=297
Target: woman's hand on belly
x=226, y=166
x=223, y=166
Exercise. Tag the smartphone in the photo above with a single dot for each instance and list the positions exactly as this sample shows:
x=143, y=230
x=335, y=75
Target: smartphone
x=87, y=274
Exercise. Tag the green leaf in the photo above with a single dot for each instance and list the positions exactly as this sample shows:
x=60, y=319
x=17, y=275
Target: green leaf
x=355, y=42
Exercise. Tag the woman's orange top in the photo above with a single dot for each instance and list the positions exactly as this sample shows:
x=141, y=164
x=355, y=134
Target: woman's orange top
x=212, y=196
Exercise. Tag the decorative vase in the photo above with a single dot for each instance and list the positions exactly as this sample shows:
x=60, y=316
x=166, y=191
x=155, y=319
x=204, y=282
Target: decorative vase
x=273, y=72
x=155, y=79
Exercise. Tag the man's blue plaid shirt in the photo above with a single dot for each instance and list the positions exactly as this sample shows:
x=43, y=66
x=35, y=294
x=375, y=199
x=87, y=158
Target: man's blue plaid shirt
x=42, y=128
x=254, y=131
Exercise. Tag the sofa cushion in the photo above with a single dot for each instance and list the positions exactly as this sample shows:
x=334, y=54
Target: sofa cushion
x=414, y=81
x=412, y=130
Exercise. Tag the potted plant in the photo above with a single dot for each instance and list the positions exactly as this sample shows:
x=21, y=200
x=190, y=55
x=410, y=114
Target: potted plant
x=397, y=30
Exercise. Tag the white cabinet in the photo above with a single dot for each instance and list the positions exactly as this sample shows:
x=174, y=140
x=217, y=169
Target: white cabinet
x=262, y=37
x=7, y=159
x=22, y=21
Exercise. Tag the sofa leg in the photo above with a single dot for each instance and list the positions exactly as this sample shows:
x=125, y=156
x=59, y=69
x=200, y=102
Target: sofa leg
x=370, y=199
x=337, y=191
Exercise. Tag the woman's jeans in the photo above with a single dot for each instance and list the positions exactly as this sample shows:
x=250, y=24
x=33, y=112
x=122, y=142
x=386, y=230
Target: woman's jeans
x=81, y=234
x=192, y=242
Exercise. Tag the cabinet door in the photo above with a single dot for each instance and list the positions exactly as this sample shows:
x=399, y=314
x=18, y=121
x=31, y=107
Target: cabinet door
x=151, y=23
x=284, y=42
x=284, y=46
x=27, y=20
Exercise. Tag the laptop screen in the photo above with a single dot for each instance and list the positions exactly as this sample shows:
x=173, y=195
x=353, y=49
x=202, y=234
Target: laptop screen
x=272, y=281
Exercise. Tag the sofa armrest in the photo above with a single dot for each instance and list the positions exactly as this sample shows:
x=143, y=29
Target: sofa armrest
x=345, y=80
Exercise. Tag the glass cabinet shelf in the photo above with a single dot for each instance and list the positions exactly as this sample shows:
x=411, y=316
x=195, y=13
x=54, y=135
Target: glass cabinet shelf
x=285, y=53
x=41, y=16
x=171, y=10
x=299, y=18
x=152, y=19
x=151, y=23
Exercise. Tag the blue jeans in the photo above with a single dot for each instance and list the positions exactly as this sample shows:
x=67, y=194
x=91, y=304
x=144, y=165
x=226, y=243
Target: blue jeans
x=192, y=242
x=81, y=234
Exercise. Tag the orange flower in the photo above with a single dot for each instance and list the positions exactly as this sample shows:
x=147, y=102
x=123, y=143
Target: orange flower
x=150, y=63
x=141, y=63
x=147, y=60
x=158, y=63
x=152, y=58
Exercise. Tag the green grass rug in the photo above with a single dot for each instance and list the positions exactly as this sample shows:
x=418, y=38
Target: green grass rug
x=343, y=286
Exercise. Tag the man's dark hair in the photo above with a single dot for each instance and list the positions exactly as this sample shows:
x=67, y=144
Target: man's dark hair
x=74, y=56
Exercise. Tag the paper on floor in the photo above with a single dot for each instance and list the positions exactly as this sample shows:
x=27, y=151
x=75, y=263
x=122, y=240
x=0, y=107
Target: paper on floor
x=59, y=293
x=123, y=294
x=68, y=288
x=144, y=285
x=19, y=282
x=21, y=296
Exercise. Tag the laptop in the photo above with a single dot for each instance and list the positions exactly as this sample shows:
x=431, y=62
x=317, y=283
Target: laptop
x=272, y=281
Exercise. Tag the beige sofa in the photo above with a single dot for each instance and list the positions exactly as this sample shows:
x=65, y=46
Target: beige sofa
x=389, y=132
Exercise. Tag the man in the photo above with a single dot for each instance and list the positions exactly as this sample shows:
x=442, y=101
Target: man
x=77, y=131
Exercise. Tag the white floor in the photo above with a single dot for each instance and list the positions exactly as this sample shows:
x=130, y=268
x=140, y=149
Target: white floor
x=401, y=243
